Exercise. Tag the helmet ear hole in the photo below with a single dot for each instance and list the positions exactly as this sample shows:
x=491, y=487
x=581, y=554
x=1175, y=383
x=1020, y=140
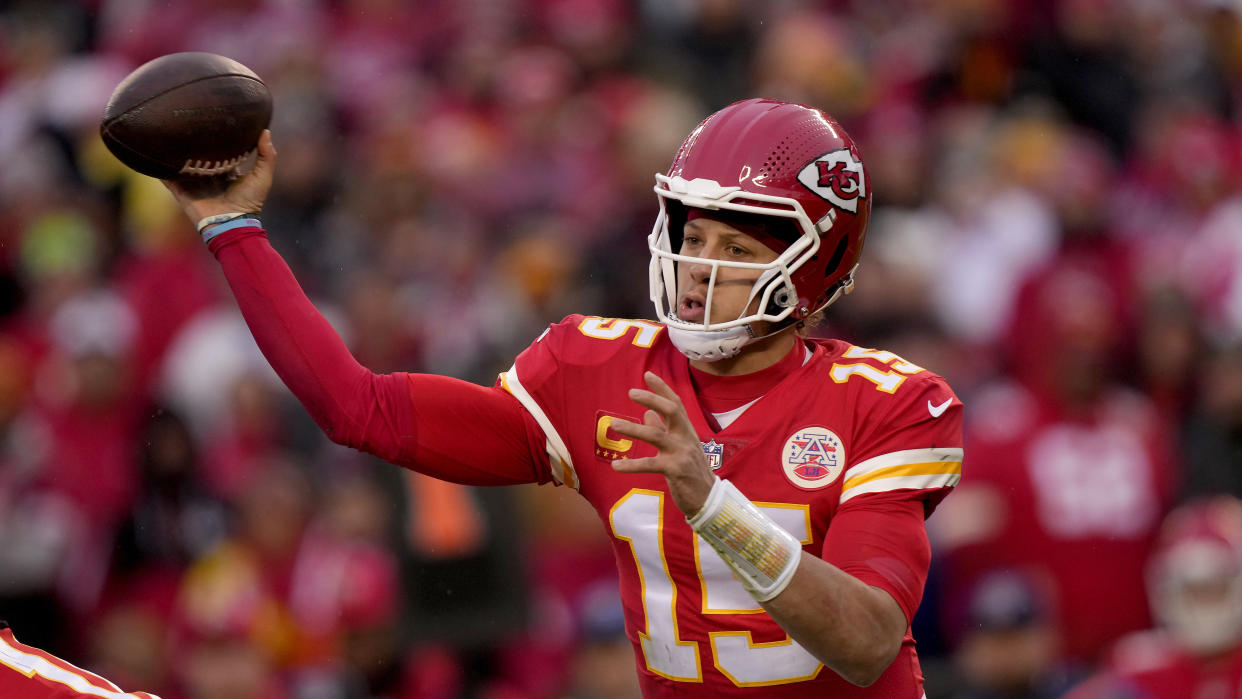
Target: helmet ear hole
x=837, y=255
x=784, y=297
x=781, y=298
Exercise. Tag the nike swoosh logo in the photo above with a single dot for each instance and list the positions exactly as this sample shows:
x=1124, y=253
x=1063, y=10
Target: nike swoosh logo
x=938, y=410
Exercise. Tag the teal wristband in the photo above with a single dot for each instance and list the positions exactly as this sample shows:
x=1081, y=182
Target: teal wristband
x=212, y=230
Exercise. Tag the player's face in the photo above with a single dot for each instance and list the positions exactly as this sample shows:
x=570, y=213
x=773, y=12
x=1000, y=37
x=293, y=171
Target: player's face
x=717, y=241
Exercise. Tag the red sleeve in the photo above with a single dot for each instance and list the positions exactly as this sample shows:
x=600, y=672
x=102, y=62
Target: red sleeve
x=474, y=435
x=911, y=461
x=446, y=428
x=910, y=441
x=881, y=540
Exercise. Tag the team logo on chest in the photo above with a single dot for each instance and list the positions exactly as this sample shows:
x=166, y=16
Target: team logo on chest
x=813, y=457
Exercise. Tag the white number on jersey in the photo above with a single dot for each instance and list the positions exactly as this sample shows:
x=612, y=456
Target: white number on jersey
x=887, y=381
x=616, y=328
x=637, y=518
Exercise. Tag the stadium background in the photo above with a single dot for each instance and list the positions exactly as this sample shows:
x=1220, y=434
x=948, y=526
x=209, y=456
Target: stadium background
x=1057, y=230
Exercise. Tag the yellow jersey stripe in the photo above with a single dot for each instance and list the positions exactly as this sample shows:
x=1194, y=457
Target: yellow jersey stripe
x=903, y=458
x=930, y=468
x=922, y=482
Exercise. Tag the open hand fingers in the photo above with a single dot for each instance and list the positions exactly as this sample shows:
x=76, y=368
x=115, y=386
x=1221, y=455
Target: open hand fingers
x=645, y=464
x=667, y=427
x=660, y=386
x=664, y=401
x=651, y=430
x=653, y=419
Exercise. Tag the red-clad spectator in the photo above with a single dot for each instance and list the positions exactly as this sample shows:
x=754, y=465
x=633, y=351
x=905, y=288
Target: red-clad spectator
x=226, y=397
x=88, y=408
x=285, y=587
x=174, y=520
x=75, y=457
x=248, y=434
x=1071, y=471
x=1182, y=208
x=1195, y=580
x=165, y=286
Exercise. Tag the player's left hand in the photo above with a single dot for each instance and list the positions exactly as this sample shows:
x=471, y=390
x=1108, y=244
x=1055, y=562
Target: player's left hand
x=667, y=427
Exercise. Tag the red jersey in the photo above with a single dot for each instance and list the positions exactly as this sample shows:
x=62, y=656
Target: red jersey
x=30, y=673
x=850, y=428
x=1083, y=495
x=1150, y=665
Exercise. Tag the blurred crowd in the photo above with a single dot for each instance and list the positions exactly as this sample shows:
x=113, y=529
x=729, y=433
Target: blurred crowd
x=1057, y=230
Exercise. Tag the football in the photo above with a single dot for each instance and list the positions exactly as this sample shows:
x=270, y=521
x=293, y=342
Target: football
x=186, y=115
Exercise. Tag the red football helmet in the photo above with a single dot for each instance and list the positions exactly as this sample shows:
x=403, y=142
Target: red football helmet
x=770, y=158
x=1195, y=574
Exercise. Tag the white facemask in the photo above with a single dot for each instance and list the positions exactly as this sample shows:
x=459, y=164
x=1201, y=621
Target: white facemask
x=772, y=293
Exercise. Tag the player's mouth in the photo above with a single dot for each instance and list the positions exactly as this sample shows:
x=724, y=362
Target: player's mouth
x=691, y=308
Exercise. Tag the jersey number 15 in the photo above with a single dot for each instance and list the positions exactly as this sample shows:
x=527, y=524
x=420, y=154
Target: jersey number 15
x=638, y=518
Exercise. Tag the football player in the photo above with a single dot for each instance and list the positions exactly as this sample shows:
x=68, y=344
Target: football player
x=764, y=493
x=31, y=673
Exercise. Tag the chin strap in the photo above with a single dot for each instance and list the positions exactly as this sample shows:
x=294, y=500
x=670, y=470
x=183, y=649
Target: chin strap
x=714, y=345
x=710, y=345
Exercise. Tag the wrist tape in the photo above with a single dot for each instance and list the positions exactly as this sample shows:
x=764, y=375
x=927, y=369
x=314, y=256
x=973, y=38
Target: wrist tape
x=762, y=554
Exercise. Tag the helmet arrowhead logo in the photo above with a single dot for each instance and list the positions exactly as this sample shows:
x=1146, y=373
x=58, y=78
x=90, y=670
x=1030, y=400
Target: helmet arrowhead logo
x=838, y=177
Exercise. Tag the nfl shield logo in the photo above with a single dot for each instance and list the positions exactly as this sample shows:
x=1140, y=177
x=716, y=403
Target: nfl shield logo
x=714, y=453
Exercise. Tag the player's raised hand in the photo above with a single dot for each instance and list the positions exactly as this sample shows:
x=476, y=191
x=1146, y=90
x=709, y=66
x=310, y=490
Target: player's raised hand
x=245, y=194
x=667, y=427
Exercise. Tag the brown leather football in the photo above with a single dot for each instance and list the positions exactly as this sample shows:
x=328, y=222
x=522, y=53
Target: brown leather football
x=186, y=115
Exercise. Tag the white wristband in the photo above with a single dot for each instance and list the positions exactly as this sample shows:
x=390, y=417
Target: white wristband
x=215, y=229
x=221, y=218
x=762, y=554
